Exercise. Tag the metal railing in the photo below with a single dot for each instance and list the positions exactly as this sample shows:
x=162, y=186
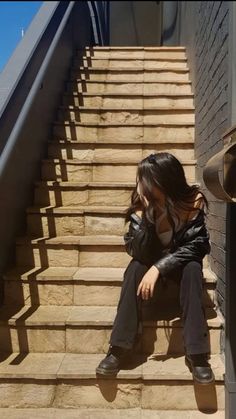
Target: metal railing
x=21, y=70
x=100, y=11
x=29, y=98
x=13, y=138
x=15, y=82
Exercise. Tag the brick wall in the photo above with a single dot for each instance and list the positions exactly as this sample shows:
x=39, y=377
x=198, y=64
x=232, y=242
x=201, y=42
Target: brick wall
x=206, y=38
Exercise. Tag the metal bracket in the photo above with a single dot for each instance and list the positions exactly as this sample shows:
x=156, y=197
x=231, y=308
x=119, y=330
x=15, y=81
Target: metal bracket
x=219, y=173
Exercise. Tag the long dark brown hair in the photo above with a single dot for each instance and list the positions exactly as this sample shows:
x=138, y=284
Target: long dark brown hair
x=164, y=171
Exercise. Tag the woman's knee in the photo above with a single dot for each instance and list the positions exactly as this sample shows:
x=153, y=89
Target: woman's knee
x=192, y=276
x=136, y=265
x=192, y=266
x=136, y=269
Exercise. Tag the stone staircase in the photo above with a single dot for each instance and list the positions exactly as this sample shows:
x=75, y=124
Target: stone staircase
x=120, y=105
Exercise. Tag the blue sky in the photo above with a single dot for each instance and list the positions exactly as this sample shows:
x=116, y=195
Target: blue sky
x=14, y=16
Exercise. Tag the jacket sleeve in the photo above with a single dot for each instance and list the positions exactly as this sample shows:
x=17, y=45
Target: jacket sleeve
x=131, y=238
x=140, y=240
x=193, y=246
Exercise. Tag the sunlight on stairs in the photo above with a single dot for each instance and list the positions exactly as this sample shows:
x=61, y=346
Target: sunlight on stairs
x=120, y=105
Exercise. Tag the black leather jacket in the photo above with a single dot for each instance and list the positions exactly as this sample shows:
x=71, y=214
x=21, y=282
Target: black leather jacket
x=190, y=243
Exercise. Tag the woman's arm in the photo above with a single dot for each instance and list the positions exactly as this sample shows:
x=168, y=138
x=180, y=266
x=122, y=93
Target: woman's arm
x=141, y=241
x=192, y=246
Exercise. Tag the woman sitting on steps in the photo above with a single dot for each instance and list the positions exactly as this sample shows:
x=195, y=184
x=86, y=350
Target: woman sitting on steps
x=167, y=235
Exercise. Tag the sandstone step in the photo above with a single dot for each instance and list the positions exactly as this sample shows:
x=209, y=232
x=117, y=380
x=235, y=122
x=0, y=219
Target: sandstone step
x=73, y=170
x=112, y=153
x=128, y=87
x=69, y=221
x=122, y=63
x=134, y=48
x=99, y=250
x=73, y=310
x=83, y=275
x=131, y=55
x=82, y=193
x=80, y=286
x=167, y=55
x=89, y=413
x=69, y=381
x=130, y=73
x=53, y=193
x=115, y=133
x=163, y=116
x=87, y=329
x=128, y=101
x=64, y=221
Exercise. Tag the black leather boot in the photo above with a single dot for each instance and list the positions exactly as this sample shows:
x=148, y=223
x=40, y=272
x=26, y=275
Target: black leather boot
x=111, y=364
x=200, y=368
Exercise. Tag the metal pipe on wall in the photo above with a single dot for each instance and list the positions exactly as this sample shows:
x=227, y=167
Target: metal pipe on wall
x=170, y=23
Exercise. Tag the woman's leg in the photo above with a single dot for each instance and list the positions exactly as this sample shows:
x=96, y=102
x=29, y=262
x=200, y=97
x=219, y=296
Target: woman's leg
x=195, y=329
x=195, y=333
x=126, y=323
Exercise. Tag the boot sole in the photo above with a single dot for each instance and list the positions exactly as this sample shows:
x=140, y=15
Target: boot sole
x=187, y=362
x=102, y=371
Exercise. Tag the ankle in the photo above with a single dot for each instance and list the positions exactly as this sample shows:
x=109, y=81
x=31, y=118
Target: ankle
x=118, y=351
x=198, y=359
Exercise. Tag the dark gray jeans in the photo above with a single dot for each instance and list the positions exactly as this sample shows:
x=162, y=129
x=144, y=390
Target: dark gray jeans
x=195, y=329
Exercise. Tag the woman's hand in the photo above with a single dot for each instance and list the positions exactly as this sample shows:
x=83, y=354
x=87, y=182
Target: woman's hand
x=146, y=286
x=144, y=201
x=143, y=198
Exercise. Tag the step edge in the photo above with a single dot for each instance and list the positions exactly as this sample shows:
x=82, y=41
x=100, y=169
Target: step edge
x=124, y=48
x=116, y=81
x=17, y=277
x=127, y=109
x=129, y=69
x=52, y=183
x=92, y=319
x=213, y=324
x=78, y=80
x=129, y=59
x=76, y=161
x=75, y=210
x=69, y=142
x=86, y=184
x=127, y=95
x=75, y=240
x=100, y=125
